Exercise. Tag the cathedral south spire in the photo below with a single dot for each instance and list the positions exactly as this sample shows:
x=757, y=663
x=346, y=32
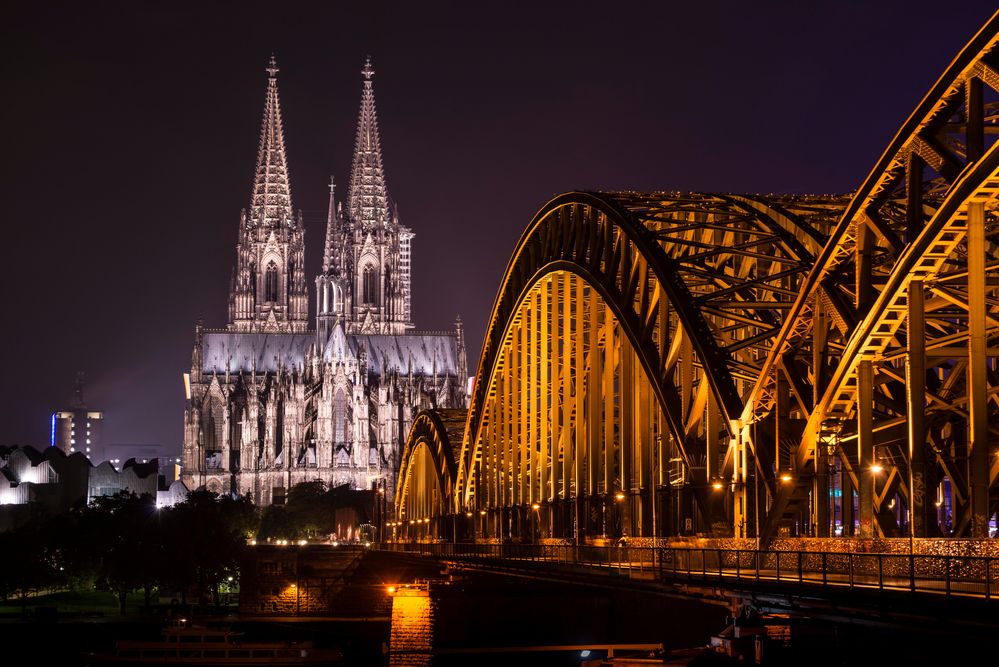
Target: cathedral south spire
x=368, y=247
x=270, y=204
x=367, y=200
x=269, y=288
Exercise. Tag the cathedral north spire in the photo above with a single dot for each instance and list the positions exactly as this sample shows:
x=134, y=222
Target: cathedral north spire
x=270, y=204
x=367, y=199
x=269, y=288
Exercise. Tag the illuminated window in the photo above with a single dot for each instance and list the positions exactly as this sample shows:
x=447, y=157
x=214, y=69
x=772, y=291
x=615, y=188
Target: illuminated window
x=370, y=285
x=271, y=283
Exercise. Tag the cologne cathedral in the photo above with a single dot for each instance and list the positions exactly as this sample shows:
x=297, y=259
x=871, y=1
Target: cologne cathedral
x=272, y=402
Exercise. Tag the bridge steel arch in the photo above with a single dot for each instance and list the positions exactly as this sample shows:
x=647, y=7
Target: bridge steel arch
x=622, y=340
x=427, y=474
x=892, y=337
x=662, y=363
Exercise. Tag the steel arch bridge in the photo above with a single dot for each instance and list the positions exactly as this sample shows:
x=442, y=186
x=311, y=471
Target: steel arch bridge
x=668, y=363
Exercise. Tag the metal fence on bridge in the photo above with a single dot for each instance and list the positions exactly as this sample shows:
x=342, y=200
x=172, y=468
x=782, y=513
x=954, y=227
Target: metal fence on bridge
x=950, y=576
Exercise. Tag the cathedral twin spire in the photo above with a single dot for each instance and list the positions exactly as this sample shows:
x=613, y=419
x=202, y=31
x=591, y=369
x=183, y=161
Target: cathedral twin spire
x=365, y=281
x=367, y=200
x=268, y=290
x=270, y=204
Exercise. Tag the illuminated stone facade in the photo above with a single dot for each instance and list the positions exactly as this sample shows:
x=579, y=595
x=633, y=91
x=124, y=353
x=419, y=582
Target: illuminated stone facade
x=271, y=404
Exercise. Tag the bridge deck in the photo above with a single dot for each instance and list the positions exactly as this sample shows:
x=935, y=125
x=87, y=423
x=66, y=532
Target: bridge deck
x=949, y=577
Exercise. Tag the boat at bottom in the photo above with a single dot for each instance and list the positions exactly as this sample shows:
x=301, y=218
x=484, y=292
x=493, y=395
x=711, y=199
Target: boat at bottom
x=185, y=643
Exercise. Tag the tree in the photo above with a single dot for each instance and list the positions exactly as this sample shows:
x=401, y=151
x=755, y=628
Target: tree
x=122, y=527
x=206, y=540
x=28, y=564
x=308, y=510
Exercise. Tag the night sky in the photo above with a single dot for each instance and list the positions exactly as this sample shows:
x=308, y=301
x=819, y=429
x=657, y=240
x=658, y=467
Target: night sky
x=131, y=138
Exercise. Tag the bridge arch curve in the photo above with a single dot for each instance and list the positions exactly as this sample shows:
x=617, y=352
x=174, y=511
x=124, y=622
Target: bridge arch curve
x=624, y=274
x=427, y=473
x=748, y=365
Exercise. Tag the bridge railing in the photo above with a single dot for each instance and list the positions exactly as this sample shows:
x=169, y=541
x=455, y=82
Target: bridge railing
x=973, y=576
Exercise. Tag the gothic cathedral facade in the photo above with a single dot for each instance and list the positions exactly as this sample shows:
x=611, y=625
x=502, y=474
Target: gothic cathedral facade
x=271, y=403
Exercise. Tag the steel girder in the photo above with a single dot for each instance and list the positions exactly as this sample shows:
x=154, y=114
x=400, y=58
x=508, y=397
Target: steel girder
x=699, y=284
x=431, y=435
x=836, y=333
x=908, y=221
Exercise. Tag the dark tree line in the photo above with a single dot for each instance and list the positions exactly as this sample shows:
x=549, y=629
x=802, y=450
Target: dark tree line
x=312, y=509
x=124, y=543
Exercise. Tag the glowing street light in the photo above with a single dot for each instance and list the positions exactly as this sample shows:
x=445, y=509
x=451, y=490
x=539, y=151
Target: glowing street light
x=619, y=496
x=717, y=485
x=876, y=468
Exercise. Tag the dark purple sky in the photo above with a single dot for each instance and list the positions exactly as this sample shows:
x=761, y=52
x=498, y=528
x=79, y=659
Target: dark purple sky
x=132, y=134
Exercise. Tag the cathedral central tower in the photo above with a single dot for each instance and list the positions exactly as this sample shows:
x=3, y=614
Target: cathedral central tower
x=268, y=290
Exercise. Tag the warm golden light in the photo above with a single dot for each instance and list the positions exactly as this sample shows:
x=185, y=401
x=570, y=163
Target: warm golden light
x=391, y=590
x=717, y=486
x=482, y=512
x=876, y=468
x=535, y=506
x=619, y=496
x=468, y=514
x=786, y=477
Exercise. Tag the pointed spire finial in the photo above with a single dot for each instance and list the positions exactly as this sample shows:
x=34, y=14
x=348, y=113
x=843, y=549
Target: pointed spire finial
x=270, y=202
x=332, y=185
x=367, y=196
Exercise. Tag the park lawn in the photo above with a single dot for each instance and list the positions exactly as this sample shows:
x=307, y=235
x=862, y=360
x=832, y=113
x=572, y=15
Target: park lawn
x=97, y=603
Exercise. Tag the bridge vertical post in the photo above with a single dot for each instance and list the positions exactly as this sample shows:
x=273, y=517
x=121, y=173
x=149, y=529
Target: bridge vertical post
x=568, y=342
x=865, y=443
x=644, y=482
x=628, y=435
x=594, y=404
x=607, y=394
x=915, y=380
x=978, y=431
x=544, y=494
x=739, y=479
x=523, y=412
x=581, y=450
x=846, y=500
